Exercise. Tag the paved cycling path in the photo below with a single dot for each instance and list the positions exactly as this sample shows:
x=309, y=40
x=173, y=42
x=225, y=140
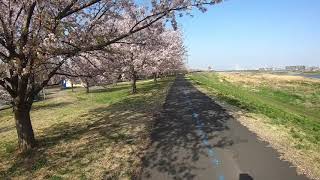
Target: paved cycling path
x=195, y=138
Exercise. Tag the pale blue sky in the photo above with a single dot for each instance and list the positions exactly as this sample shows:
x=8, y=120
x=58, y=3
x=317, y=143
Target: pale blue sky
x=241, y=34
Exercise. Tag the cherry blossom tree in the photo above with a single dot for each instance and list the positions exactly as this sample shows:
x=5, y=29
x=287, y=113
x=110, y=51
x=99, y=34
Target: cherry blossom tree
x=94, y=68
x=151, y=51
x=37, y=37
x=169, y=56
x=162, y=51
x=136, y=53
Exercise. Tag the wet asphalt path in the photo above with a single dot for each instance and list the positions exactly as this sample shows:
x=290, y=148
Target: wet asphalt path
x=195, y=138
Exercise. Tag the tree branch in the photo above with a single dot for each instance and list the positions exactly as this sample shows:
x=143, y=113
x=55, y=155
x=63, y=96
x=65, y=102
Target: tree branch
x=131, y=31
x=18, y=14
x=102, y=45
x=72, y=75
x=7, y=88
x=50, y=75
x=25, y=31
x=170, y=10
x=67, y=11
x=4, y=57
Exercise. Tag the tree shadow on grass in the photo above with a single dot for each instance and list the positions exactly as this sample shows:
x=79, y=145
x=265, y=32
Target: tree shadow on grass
x=6, y=129
x=111, y=89
x=48, y=106
x=106, y=142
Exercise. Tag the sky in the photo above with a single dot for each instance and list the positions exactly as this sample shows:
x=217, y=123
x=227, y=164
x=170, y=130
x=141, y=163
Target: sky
x=248, y=34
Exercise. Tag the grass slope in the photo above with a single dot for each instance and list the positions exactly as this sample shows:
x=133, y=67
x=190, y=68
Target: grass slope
x=282, y=106
x=84, y=136
x=282, y=110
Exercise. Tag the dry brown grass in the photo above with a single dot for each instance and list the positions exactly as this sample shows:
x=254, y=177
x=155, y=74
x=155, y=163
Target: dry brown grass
x=271, y=80
x=262, y=78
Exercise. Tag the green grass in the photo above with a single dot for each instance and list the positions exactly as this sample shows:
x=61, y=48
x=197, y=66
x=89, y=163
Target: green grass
x=283, y=105
x=84, y=136
x=313, y=73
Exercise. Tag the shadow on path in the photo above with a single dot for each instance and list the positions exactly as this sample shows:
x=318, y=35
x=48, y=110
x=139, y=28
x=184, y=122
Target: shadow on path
x=195, y=138
x=176, y=144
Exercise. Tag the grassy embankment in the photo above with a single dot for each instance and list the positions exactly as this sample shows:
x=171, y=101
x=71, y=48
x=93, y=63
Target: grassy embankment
x=290, y=105
x=84, y=136
x=313, y=73
x=294, y=104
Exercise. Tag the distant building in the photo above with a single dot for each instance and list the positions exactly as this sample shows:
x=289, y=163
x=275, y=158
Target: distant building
x=313, y=69
x=68, y=83
x=295, y=68
x=278, y=69
x=266, y=69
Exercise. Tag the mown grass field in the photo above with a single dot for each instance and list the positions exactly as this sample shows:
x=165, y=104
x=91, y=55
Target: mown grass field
x=98, y=135
x=289, y=103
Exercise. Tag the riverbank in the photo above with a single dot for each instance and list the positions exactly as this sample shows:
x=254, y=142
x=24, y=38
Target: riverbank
x=284, y=111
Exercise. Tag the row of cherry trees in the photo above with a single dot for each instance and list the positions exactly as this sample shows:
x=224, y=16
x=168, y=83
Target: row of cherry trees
x=151, y=52
x=40, y=39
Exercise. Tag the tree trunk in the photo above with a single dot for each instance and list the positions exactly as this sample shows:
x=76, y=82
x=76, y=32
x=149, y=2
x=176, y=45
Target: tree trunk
x=71, y=86
x=25, y=133
x=44, y=94
x=87, y=87
x=134, y=82
x=155, y=77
